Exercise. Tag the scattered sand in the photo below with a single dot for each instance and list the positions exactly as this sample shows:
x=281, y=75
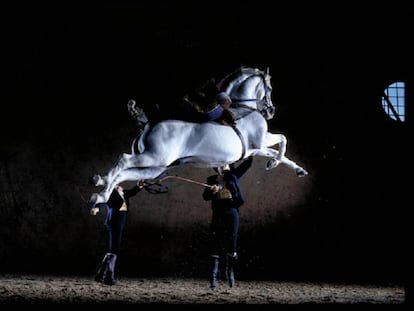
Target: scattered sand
x=34, y=289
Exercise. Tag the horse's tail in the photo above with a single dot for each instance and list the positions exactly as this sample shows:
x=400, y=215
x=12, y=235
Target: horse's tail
x=138, y=144
x=134, y=146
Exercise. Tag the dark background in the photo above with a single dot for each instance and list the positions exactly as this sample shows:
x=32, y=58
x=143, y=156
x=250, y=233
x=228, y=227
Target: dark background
x=68, y=73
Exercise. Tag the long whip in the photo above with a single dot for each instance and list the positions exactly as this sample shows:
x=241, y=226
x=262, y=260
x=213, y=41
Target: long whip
x=187, y=180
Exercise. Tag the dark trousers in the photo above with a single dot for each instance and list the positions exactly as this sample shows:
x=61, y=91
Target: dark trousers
x=115, y=223
x=224, y=228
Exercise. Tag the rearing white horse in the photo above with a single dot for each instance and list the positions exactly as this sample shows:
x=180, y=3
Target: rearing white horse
x=210, y=144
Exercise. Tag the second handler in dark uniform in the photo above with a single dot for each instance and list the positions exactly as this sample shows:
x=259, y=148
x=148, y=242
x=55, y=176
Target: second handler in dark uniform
x=226, y=199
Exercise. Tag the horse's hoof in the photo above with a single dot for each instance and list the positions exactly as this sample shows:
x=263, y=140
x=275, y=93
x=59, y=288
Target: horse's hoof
x=95, y=180
x=94, y=210
x=271, y=164
x=300, y=172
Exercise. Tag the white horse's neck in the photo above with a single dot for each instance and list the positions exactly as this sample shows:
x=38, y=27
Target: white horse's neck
x=244, y=91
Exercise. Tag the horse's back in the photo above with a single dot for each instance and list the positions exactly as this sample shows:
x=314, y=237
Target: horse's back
x=198, y=140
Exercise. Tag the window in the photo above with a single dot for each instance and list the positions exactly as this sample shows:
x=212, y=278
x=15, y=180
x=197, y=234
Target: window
x=393, y=101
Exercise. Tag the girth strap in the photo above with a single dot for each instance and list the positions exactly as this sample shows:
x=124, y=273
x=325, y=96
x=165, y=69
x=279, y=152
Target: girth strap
x=242, y=141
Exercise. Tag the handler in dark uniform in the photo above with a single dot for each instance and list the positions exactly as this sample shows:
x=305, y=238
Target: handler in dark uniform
x=117, y=211
x=226, y=199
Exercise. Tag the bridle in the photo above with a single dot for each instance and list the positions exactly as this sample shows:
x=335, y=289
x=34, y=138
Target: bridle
x=262, y=104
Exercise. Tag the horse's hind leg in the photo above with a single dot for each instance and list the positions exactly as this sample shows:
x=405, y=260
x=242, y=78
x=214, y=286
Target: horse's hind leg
x=147, y=163
x=126, y=161
x=120, y=164
x=134, y=174
x=131, y=174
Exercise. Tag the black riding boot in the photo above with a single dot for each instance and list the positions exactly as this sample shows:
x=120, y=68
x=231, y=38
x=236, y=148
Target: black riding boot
x=214, y=272
x=101, y=269
x=230, y=263
x=109, y=274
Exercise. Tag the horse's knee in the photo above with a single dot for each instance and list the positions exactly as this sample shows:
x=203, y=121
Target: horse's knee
x=282, y=139
x=272, y=163
x=282, y=146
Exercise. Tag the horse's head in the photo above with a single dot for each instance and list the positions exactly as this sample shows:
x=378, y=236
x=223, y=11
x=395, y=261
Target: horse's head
x=250, y=87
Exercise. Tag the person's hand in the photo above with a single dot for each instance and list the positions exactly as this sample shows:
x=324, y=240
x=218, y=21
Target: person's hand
x=141, y=183
x=215, y=188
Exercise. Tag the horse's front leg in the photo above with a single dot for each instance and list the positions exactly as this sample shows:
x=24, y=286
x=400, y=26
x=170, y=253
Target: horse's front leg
x=300, y=171
x=276, y=160
x=276, y=139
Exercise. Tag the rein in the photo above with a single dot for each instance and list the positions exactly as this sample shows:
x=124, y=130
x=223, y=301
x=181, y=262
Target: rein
x=185, y=179
x=238, y=102
x=160, y=188
x=244, y=106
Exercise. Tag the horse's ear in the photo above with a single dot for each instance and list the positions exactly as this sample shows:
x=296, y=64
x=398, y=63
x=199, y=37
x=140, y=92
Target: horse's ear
x=267, y=70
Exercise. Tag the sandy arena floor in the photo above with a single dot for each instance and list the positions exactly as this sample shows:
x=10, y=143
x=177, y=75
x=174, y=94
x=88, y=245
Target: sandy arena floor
x=35, y=289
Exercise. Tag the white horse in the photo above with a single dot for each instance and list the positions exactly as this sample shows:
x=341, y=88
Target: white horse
x=209, y=144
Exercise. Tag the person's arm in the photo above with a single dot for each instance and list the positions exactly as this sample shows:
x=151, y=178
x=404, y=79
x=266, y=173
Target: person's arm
x=207, y=194
x=134, y=190
x=210, y=191
x=243, y=167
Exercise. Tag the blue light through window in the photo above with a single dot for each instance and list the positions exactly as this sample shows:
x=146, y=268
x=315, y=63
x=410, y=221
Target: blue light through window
x=393, y=101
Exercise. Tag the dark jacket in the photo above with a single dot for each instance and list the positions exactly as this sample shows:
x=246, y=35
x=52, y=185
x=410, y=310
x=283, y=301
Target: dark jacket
x=232, y=177
x=115, y=201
